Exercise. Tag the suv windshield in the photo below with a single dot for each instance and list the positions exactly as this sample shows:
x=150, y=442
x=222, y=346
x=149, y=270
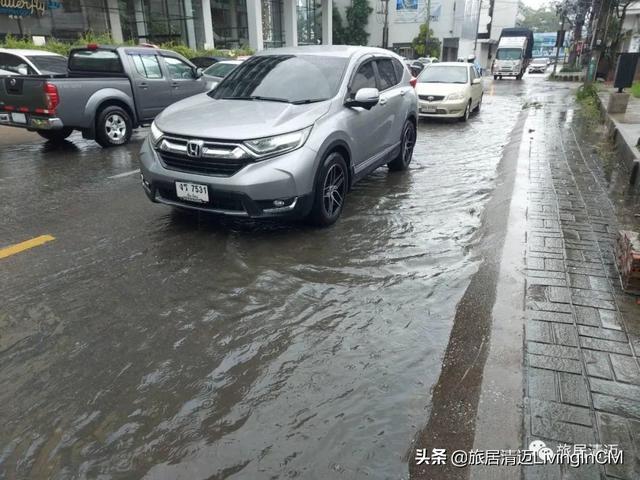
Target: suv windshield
x=283, y=78
x=444, y=74
x=49, y=63
x=509, y=54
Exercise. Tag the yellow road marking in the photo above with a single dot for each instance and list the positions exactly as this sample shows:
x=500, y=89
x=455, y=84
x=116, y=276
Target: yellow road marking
x=26, y=245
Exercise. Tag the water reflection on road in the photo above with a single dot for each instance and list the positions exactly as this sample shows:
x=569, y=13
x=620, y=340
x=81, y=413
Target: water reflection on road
x=152, y=343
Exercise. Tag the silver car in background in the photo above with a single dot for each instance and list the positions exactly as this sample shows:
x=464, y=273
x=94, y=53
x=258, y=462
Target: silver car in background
x=285, y=134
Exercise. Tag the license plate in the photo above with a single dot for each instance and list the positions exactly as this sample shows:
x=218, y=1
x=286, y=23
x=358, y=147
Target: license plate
x=18, y=118
x=428, y=109
x=192, y=192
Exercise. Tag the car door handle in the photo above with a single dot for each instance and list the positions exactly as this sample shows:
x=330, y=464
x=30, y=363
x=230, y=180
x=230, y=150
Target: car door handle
x=383, y=101
x=143, y=85
x=175, y=84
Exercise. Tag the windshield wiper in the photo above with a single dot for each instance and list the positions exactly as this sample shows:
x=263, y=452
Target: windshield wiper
x=258, y=97
x=309, y=100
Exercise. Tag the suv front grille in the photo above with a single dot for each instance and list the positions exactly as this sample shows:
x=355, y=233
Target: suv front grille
x=217, y=158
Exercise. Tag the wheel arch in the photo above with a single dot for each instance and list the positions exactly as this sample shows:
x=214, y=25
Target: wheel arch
x=341, y=146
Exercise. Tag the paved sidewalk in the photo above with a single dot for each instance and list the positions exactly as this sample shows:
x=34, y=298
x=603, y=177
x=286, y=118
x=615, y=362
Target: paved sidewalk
x=582, y=334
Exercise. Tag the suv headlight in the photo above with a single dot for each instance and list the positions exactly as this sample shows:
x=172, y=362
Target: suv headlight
x=456, y=96
x=155, y=134
x=278, y=144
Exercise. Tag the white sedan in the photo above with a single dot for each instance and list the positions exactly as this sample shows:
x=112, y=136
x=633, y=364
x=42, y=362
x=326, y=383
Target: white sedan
x=31, y=62
x=449, y=90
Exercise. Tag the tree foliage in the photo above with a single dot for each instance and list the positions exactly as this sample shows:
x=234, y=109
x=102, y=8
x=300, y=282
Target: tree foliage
x=420, y=46
x=354, y=32
x=338, y=27
x=543, y=19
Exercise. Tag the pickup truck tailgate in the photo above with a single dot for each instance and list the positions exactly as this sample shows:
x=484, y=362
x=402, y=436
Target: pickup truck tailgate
x=23, y=94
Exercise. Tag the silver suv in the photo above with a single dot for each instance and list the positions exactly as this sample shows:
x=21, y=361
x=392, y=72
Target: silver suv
x=287, y=133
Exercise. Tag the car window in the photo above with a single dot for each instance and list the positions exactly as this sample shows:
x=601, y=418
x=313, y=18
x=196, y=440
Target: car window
x=364, y=78
x=397, y=66
x=179, y=69
x=444, y=74
x=220, y=69
x=472, y=73
x=147, y=65
x=49, y=63
x=91, y=60
x=15, y=64
x=387, y=73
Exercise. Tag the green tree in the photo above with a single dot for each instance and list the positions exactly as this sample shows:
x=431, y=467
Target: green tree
x=543, y=19
x=338, y=27
x=355, y=32
x=420, y=43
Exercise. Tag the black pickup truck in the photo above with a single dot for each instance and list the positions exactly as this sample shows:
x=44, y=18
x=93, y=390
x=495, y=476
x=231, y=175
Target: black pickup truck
x=107, y=92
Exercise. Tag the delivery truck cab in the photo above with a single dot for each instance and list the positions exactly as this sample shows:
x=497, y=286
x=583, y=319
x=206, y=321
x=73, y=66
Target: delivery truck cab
x=513, y=54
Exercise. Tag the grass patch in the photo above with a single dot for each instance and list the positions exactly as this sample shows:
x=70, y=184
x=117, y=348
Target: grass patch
x=63, y=48
x=635, y=89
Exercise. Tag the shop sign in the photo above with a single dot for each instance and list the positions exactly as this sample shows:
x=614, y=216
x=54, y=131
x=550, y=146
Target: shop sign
x=26, y=8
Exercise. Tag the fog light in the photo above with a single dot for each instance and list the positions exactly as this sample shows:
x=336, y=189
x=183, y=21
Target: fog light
x=278, y=203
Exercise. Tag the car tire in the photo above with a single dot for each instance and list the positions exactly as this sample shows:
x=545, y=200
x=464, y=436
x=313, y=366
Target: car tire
x=55, y=136
x=467, y=112
x=495, y=77
x=330, y=192
x=113, y=127
x=407, y=142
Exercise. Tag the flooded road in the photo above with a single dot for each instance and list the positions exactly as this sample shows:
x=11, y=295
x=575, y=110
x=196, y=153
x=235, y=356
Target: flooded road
x=147, y=343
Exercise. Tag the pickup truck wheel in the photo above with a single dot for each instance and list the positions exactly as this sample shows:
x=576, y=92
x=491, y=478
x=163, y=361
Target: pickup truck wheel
x=113, y=127
x=55, y=136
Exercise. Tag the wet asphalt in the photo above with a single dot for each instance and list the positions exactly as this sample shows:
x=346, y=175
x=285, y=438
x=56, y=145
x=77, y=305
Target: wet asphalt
x=148, y=343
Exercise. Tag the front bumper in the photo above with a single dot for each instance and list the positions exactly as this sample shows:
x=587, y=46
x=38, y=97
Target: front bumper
x=443, y=108
x=33, y=122
x=251, y=192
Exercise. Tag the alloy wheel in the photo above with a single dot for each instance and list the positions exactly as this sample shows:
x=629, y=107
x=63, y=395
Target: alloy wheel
x=408, y=142
x=115, y=127
x=334, y=189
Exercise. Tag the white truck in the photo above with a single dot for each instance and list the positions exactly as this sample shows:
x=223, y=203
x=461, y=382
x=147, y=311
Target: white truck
x=514, y=53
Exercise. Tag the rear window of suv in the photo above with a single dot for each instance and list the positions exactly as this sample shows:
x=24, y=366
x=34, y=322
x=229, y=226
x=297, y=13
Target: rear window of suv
x=286, y=78
x=99, y=61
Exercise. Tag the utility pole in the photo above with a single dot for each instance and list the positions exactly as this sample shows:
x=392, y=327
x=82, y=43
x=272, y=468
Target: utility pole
x=385, y=27
x=475, y=43
x=598, y=40
x=427, y=40
x=560, y=34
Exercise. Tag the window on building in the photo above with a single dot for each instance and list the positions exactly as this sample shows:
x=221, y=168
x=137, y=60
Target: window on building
x=147, y=65
x=178, y=69
x=364, y=78
x=387, y=74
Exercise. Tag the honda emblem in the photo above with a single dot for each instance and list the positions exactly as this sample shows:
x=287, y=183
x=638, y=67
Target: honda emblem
x=430, y=98
x=194, y=148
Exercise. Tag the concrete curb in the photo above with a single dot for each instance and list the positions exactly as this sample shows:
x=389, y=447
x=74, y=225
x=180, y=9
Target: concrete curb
x=568, y=77
x=625, y=136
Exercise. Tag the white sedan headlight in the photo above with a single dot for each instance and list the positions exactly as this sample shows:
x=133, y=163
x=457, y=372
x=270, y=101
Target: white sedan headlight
x=456, y=96
x=155, y=134
x=278, y=144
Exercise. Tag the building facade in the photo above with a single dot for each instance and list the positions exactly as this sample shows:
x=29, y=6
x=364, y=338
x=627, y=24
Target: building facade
x=198, y=23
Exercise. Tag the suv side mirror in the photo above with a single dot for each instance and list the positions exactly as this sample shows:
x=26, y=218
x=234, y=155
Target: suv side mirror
x=476, y=81
x=199, y=72
x=366, y=98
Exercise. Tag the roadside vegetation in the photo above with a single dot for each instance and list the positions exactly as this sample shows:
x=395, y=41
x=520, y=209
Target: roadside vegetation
x=635, y=89
x=63, y=48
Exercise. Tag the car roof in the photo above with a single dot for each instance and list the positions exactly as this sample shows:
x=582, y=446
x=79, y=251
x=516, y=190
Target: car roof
x=31, y=53
x=450, y=64
x=338, y=51
x=231, y=62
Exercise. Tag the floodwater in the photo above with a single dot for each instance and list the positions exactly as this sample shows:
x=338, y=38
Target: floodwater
x=145, y=343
